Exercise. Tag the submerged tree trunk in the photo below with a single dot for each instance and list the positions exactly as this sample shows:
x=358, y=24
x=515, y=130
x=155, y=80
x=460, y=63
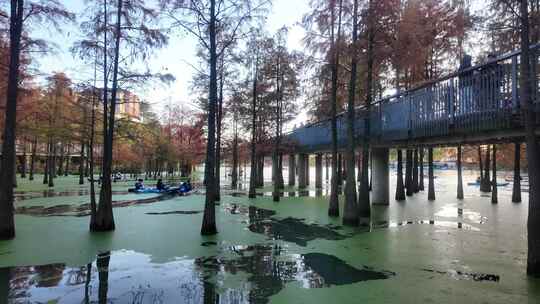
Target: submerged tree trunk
x=485, y=186
x=421, y=178
x=350, y=211
x=104, y=217
x=234, y=173
x=333, y=206
x=81, y=165
x=209, y=217
x=533, y=150
x=33, y=159
x=408, y=173
x=364, y=205
x=516, y=188
x=460, y=174
x=480, y=166
x=494, y=198
x=400, y=189
x=415, y=172
x=219, y=119
x=253, y=153
x=7, y=222
x=431, y=177
x=52, y=166
x=68, y=161
x=23, y=161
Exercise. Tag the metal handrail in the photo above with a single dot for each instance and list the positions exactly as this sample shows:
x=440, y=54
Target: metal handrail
x=424, y=85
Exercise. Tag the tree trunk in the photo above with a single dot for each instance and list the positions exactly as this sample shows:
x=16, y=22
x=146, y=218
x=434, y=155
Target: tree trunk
x=33, y=159
x=253, y=159
x=350, y=210
x=68, y=161
x=333, y=205
x=60, y=170
x=494, y=198
x=408, y=173
x=234, y=175
x=7, y=222
x=486, y=184
x=81, y=164
x=104, y=217
x=421, y=179
x=400, y=188
x=460, y=174
x=364, y=206
x=23, y=161
x=52, y=164
x=209, y=217
x=219, y=116
x=480, y=166
x=415, y=172
x=533, y=151
x=46, y=166
x=431, y=177
x=516, y=189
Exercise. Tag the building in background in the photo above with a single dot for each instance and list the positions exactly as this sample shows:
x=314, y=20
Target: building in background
x=128, y=106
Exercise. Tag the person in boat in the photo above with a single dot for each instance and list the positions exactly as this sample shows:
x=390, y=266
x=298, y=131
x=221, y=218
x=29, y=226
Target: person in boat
x=139, y=185
x=160, y=186
x=185, y=186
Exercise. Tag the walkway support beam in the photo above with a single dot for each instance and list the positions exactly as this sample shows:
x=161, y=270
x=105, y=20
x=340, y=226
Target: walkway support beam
x=381, y=175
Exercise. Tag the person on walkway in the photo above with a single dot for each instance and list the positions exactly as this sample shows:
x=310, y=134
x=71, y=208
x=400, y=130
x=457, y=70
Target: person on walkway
x=466, y=99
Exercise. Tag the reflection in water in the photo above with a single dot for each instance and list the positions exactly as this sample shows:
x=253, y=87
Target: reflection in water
x=263, y=271
x=288, y=229
x=445, y=224
x=451, y=211
x=102, y=264
x=4, y=285
x=459, y=275
x=49, y=275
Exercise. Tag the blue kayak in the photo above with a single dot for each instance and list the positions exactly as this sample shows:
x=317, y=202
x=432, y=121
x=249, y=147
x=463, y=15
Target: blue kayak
x=478, y=184
x=154, y=190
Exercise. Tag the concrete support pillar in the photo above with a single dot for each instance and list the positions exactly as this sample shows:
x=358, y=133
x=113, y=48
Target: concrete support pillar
x=302, y=170
x=318, y=171
x=292, y=170
x=400, y=187
x=381, y=176
x=421, y=178
x=307, y=169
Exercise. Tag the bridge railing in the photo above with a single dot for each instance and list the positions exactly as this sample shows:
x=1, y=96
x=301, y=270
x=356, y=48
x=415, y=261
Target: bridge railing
x=481, y=98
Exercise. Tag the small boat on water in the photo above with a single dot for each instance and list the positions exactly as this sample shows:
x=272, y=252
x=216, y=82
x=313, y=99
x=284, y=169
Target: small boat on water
x=477, y=183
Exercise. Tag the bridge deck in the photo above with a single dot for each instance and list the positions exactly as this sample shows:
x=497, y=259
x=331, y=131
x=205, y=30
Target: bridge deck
x=480, y=103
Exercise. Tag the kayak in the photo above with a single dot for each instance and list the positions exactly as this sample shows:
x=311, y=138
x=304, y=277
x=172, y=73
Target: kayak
x=478, y=184
x=154, y=190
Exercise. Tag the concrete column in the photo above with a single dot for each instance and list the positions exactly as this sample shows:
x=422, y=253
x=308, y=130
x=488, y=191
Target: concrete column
x=301, y=170
x=318, y=171
x=292, y=170
x=307, y=169
x=381, y=190
x=460, y=174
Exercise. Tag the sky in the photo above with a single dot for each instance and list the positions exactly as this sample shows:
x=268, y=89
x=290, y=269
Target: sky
x=177, y=58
